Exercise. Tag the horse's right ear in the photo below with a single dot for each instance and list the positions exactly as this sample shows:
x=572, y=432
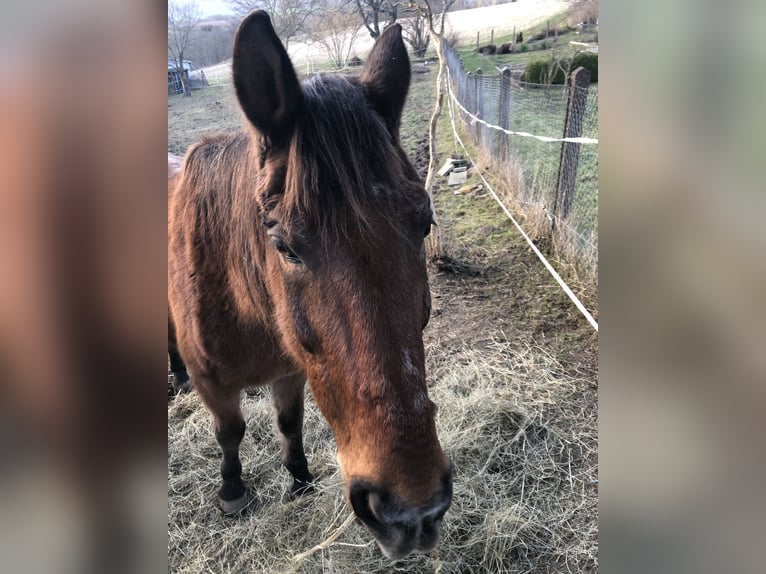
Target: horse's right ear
x=264, y=78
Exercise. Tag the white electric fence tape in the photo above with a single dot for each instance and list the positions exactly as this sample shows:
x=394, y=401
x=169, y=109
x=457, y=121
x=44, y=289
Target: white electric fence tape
x=477, y=119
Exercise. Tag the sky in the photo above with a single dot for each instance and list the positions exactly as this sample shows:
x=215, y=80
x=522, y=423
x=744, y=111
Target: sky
x=211, y=7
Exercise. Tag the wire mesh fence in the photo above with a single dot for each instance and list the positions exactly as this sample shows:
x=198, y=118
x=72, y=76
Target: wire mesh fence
x=519, y=127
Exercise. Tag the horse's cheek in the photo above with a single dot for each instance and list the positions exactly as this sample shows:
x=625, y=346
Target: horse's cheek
x=293, y=323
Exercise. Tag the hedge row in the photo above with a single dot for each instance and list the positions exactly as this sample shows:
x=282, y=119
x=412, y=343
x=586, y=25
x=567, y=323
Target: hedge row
x=537, y=71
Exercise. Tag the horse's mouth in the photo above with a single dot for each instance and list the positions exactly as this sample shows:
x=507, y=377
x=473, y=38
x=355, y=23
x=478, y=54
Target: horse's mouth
x=404, y=548
x=397, y=542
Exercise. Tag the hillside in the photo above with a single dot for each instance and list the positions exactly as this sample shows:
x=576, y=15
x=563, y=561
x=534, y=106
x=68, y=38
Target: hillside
x=522, y=14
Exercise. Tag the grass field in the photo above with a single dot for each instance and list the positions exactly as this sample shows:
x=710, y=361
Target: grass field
x=512, y=366
x=528, y=50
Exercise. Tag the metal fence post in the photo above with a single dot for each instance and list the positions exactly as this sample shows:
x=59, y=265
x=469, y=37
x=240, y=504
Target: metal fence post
x=570, y=152
x=505, y=111
x=470, y=88
x=478, y=78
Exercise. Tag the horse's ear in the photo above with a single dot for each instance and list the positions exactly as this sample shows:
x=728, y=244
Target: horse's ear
x=387, y=76
x=264, y=78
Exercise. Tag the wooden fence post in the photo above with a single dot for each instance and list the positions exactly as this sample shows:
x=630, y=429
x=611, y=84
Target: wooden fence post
x=479, y=102
x=477, y=40
x=570, y=152
x=505, y=111
x=492, y=36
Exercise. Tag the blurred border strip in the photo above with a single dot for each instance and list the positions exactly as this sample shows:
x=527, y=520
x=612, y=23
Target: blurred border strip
x=83, y=359
x=682, y=279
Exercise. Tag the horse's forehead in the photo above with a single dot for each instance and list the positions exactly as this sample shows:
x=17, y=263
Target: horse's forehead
x=319, y=84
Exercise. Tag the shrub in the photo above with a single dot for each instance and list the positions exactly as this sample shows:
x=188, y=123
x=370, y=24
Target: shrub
x=488, y=50
x=537, y=72
x=505, y=48
x=524, y=48
x=519, y=38
x=587, y=60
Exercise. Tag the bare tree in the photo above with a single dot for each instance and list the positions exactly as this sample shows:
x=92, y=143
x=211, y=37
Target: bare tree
x=415, y=31
x=289, y=17
x=371, y=12
x=213, y=43
x=336, y=30
x=182, y=19
x=435, y=24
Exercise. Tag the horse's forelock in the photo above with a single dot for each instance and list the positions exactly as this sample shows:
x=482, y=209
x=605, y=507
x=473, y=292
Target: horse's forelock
x=343, y=164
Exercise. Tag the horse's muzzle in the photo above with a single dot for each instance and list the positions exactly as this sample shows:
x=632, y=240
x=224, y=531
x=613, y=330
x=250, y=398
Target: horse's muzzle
x=400, y=530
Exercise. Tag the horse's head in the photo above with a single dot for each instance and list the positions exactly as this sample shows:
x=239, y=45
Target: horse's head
x=343, y=216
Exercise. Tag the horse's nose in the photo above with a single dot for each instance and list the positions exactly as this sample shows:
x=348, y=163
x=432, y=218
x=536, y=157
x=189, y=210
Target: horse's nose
x=400, y=529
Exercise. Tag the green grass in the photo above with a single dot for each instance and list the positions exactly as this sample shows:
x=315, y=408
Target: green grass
x=461, y=216
x=212, y=109
x=418, y=107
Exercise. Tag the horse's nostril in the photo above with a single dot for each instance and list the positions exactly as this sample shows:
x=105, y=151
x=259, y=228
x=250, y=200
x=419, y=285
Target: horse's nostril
x=428, y=525
x=429, y=533
x=367, y=504
x=376, y=506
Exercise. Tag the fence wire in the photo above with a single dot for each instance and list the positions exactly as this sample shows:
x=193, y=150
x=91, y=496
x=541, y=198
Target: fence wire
x=559, y=197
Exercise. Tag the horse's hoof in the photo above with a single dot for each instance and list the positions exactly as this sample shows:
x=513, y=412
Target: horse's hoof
x=234, y=506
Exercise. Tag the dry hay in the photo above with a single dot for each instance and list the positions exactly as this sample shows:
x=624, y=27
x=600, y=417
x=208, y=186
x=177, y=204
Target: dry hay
x=523, y=440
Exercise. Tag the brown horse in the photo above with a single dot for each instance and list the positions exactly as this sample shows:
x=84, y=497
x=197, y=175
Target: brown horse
x=296, y=252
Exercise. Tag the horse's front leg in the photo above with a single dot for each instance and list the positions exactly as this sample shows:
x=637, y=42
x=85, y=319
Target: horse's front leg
x=224, y=403
x=287, y=397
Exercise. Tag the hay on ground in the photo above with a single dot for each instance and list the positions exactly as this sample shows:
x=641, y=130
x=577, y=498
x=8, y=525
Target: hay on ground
x=521, y=435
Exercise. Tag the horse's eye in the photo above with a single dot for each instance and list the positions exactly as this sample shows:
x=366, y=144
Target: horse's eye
x=287, y=253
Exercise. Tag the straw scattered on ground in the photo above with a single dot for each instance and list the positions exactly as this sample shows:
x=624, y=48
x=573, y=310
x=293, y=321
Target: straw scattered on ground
x=520, y=432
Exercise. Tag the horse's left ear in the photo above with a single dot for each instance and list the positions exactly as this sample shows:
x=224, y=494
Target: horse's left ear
x=387, y=76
